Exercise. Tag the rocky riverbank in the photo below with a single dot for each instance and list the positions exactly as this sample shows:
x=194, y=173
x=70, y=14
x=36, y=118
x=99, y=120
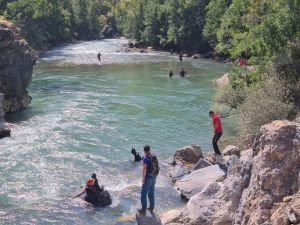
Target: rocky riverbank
x=16, y=66
x=259, y=185
x=143, y=48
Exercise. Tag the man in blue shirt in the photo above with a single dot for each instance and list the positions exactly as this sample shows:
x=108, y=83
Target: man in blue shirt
x=148, y=183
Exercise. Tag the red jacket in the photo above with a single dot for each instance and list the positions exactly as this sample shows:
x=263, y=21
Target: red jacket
x=217, y=124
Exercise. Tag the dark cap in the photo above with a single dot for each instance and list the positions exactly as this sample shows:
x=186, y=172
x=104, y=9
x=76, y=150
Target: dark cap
x=94, y=175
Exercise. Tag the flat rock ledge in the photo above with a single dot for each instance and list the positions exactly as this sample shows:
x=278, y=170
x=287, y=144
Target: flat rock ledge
x=194, y=182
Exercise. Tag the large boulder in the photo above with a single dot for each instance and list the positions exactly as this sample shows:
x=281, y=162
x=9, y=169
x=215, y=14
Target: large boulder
x=274, y=173
x=194, y=182
x=16, y=65
x=231, y=150
x=196, y=56
x=189, y=154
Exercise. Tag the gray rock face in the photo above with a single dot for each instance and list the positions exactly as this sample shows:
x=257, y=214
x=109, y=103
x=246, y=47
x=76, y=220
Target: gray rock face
x=256, y=185
x=16, y=65
x=274, y=174
x=194, y=182
x=231, y=150
x=189, y=154
x=178, y=172
x=297, y=120
x=109, y=31
x=202, y=163
x=2, y=112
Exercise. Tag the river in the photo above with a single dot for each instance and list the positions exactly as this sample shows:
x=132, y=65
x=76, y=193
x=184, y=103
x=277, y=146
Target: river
x=85, y=117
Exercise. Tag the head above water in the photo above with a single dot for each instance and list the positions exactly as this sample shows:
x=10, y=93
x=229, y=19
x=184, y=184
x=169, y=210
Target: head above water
x=93, y=175
x=211, y=113
x=147, y=149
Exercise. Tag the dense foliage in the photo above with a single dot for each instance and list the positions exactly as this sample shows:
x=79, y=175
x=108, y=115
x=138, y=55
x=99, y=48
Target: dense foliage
x=46, y=23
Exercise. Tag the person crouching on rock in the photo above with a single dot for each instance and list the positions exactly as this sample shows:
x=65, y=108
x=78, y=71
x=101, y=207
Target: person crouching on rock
x=92, y=188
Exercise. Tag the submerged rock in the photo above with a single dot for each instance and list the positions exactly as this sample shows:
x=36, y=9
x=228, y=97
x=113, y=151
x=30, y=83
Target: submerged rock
x=148, y=219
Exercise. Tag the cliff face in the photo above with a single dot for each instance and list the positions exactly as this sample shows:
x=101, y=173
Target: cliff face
x=262, y=185
x=16, y=66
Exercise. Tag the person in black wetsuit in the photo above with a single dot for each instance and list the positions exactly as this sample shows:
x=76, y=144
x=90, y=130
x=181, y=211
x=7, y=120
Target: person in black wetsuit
x=137, y=156
x=171, y=73
x=182, y=73
x=99, y=57
x=180, y=56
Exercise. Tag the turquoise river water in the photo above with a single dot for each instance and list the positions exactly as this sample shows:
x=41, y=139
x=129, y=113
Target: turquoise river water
x=84, y=118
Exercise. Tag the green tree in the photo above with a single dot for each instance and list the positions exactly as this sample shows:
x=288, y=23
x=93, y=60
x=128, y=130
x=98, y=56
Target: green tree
x=214, y=12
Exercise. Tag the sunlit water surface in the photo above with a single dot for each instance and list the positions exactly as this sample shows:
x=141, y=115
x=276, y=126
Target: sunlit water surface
x=84, y=118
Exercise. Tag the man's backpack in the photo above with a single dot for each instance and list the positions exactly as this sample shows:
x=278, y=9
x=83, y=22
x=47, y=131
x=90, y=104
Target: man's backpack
x=154, y=166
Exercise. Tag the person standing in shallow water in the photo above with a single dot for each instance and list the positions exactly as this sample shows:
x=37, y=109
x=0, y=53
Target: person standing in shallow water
x=99, y=57
x=218, y=131
x=180, y=56
x=182, y=73
x=148, y=182
x=171, y=73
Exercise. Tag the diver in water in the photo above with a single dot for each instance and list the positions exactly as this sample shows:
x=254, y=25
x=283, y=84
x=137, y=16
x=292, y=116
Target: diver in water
x=182, y=73
x=137, y=156
x=99, y=57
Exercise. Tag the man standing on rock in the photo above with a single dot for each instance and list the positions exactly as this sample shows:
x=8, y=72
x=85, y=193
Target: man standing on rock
x=150, y=171
x=218, y=131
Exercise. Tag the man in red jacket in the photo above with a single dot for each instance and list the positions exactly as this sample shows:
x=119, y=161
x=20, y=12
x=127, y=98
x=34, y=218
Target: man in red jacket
x=218, y=131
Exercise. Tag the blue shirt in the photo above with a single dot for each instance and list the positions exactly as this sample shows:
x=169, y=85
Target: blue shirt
x=147, y=161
